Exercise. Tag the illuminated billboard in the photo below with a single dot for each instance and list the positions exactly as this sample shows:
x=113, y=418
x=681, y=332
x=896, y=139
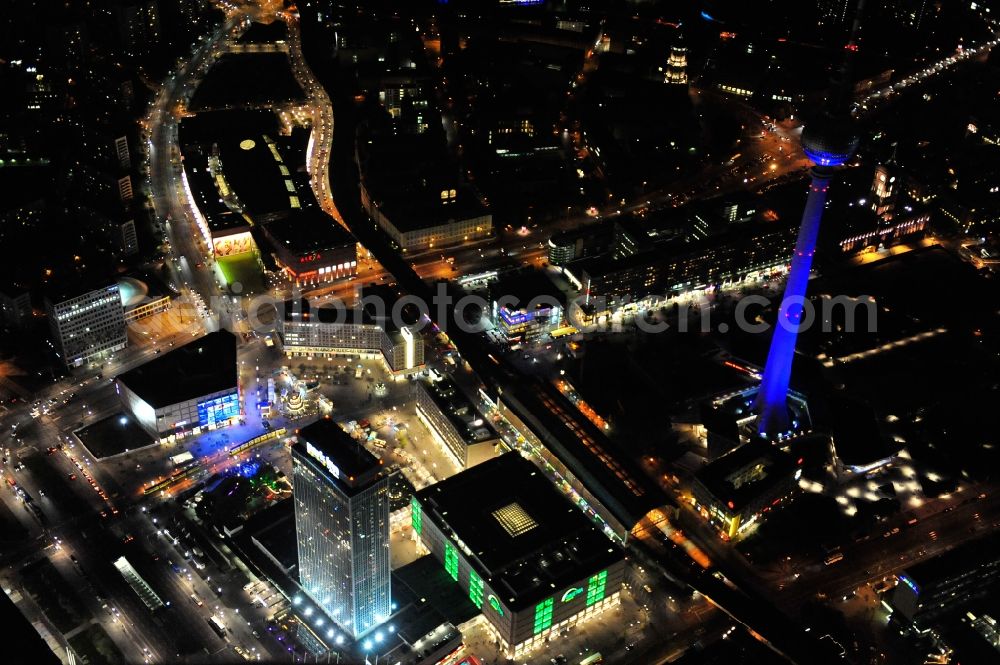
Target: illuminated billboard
x=238, y=243
x=218, y=410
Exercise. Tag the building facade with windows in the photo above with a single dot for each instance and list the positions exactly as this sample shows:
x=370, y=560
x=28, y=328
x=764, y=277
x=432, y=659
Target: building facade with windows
x=189, y=390
x=341, y=495
x=86, y=325
x=524, y=554
x=526, y=308
x=317, y=331
x=451, y=415
x=418, y=222
x=946, y=584
x=741, y=487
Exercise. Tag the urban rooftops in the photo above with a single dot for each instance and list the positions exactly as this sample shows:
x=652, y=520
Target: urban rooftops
x=747, y=472
x=306, y=231
x=460, y=411
x=521, y=533
x=523, y=287
x=340, y=457
x=202, y=367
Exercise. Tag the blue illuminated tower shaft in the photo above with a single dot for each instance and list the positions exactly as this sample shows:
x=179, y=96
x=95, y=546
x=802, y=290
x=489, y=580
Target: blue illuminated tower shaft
x=772, y=400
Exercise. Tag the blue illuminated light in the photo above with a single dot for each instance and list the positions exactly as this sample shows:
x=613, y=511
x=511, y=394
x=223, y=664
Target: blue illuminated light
x=772, y=399
x=908, y=582
x=219, y=409
x=517, y=318
x=826, y=158
x=707, y=16
x=249, y=469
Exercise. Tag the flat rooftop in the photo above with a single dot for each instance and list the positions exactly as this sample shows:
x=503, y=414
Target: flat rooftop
x=856, y=434
x=727, y=477
x=353, y=467
x=308, y=230
x=118, y=433
x=263, y=33
x=255, y=170
x=525, y=537
x=206, y=365
x=525, y=286
x=327, y=312
x=460, y=411
x=216, y=213
x=422, y=208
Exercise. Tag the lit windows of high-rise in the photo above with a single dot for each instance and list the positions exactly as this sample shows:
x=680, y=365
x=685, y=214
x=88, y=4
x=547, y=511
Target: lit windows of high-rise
x=341, y=494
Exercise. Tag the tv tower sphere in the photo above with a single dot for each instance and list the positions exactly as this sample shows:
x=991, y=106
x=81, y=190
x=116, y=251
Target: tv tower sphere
x=829, y=141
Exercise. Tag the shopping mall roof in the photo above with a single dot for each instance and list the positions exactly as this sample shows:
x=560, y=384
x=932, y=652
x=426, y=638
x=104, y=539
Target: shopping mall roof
x=350, y=465
x=460, y=411
x=726, y=478
x=206, y=195
x=255, y=170
x=202, y=367
x=524, y=537
x=308, y=230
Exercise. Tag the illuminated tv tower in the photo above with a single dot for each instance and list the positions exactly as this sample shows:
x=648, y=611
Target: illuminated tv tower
x=829, y=141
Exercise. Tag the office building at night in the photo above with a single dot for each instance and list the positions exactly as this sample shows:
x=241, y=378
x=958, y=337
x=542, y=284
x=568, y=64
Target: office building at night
x=15, y=307
x=190, y=389
x=942, y=585
x=739, y=488
x=526, y=307
x=746, y=252
x=466, y=435
x=341, y=494
x=581, y=243
x=86, y=323
x=676, y=70
x=308, y=330
x=428, y=219
x=525, y=555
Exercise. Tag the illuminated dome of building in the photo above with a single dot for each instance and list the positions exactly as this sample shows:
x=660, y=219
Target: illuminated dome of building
x=132, y=291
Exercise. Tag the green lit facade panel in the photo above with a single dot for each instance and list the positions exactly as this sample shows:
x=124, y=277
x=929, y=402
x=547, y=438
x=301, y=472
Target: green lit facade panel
x=543, y=615
x=417, y=516
x=476, y=589
x=451, y=560
x=595, y=587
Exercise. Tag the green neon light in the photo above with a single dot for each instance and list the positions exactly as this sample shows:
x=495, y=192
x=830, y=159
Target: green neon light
x=417, y=516
x=543, y=615
x=495, y=604
x=476, y=589
x=595, y=587
x=451, y=560
x=572, y=593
